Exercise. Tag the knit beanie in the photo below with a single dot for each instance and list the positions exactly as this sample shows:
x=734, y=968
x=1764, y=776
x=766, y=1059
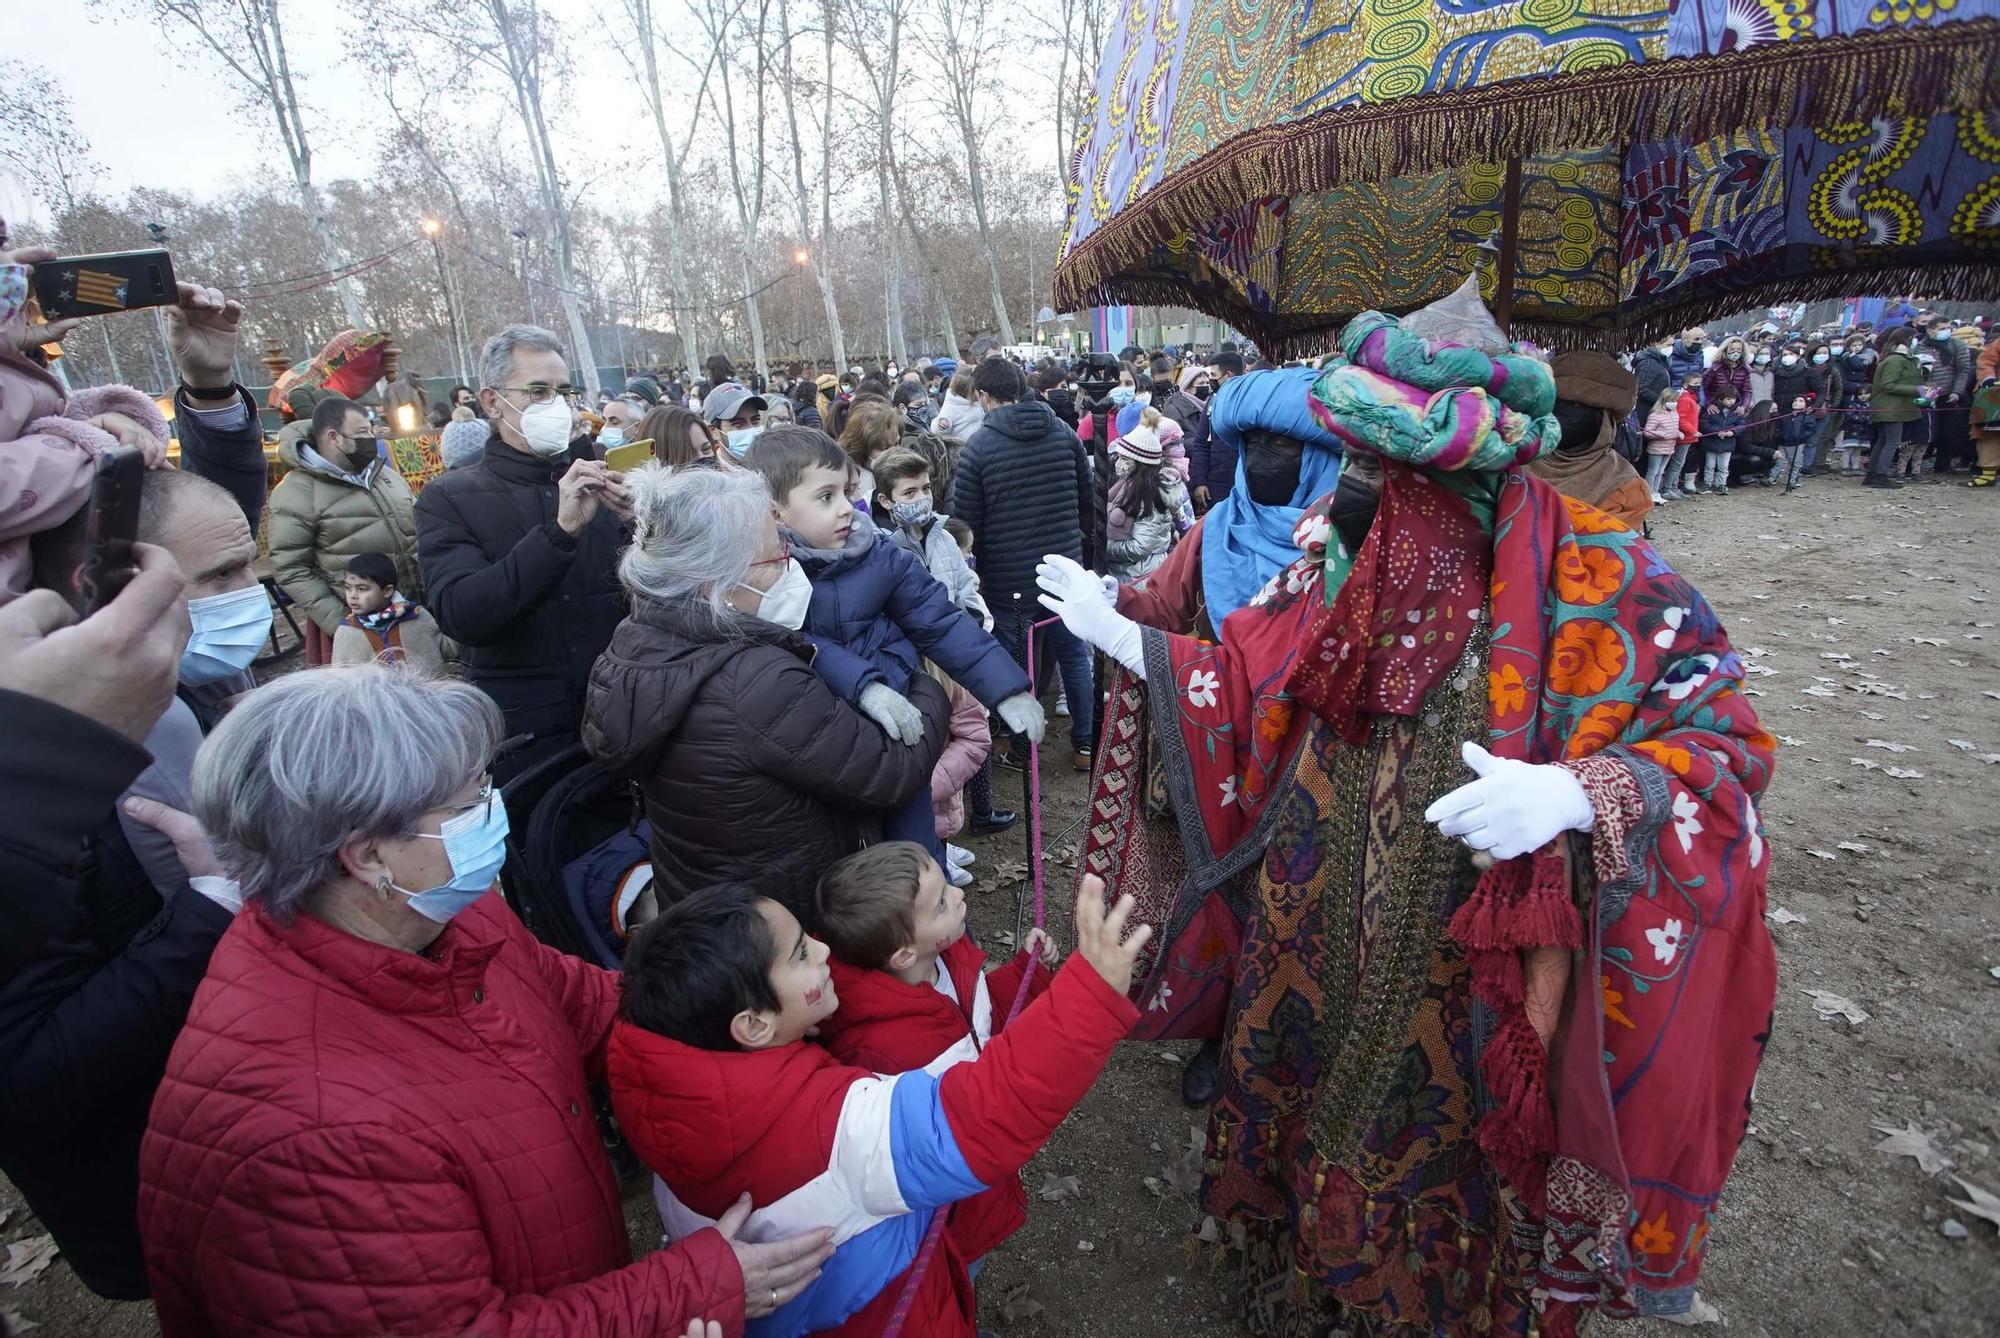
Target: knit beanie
x=1141, y=445
x=1190, y=374
x=463, y=441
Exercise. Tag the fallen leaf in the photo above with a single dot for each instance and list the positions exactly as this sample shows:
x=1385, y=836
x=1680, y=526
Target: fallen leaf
x=1059, y=1187
x=1858, y=847
x=1830, y=1005
x=1017, y=1305
x=1792, y=742
x=1910, y=1141
x=1963, y=745
x=1822, y=854
x=1780, y=916
x=1208, y=1234
x=13, y=1321
x=1817, y=691
x=1154, y=1185
x=1902, y=773
x=1761, y=670
x=26, y=1259
x=1980, y=1202
x=1010, y=871
x=1865, y=762
x=1927, y=641
x=1993, y=758
x=1989, y=692
x=1889, y=746
x=1954, y=1229
x=1901, y=544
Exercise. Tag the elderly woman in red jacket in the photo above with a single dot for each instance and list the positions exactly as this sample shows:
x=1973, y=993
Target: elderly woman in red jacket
x=375, y=1119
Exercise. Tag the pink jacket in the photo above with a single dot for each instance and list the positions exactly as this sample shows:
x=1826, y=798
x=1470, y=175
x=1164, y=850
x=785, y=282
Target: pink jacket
x=966, y=747
x=46, y=454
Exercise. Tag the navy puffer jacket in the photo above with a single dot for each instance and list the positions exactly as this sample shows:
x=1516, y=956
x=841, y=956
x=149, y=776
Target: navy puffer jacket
x=1024, y=485
x=876, y=612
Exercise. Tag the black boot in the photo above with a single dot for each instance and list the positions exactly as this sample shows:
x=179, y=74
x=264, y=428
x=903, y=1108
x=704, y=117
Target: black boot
x=999, y=820
x=1201, y=1080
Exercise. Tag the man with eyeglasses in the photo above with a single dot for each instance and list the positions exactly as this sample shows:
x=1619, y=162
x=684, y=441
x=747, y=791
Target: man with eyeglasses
x=519, y=549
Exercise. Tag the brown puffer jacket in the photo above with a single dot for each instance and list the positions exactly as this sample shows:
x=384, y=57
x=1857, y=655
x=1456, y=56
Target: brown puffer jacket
x=753, y=771
x=318, y=520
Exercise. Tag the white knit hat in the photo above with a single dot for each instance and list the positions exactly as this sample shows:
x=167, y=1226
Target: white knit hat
x=1141, y=445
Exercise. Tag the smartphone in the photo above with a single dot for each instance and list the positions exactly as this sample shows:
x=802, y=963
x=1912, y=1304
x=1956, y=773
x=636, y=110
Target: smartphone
x=94, y=285
x=108, y=565
x=629, y=456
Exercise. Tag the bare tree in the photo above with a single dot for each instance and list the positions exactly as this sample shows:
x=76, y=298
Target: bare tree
x=732, y=35
x=815, y=245
x=249, y=38
x=875, y=37
x=924, y=252
x=1078, y=34
x=675, y=155
x=963, y=47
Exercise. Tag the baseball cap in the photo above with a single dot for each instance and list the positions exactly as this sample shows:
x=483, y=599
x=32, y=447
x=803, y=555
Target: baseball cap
x=730, y=400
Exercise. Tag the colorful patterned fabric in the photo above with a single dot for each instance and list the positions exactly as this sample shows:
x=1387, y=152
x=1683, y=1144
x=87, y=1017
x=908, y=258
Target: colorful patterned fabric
x=1285, y=166
x=417, y=459
x=1362, y=1033
x=350, y=363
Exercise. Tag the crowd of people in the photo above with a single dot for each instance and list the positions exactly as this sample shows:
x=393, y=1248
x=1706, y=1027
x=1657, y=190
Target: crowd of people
x=280, y=1056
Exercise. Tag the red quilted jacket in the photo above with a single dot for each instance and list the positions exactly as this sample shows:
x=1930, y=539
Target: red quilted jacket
x=887, y=1026
x=353, y=1139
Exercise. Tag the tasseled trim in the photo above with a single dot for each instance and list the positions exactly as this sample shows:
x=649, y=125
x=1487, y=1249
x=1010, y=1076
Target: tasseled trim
x=1520, y=903
x=1519, y=1133
x=1496, y=978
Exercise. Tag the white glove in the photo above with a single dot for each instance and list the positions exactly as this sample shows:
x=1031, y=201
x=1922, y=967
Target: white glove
x=893, y=712
x=1077, y=597
x=1023, y=715
x=1110, y=584
x=1513, y=807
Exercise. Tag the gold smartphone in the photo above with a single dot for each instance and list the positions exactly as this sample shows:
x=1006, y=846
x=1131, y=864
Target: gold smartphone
x=629, y=456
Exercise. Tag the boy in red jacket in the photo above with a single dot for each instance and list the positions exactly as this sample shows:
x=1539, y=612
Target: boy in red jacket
x=714, y=1083
x=915, y=993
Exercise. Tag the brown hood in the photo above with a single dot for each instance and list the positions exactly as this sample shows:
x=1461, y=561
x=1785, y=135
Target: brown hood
x=1595, y=379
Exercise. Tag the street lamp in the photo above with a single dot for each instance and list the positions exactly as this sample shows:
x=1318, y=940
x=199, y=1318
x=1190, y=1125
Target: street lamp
x=433, y=227
x=801, y=257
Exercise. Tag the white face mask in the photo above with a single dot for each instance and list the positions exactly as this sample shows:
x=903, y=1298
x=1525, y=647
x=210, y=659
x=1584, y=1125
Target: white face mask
x=546, y=427
x=785, y=602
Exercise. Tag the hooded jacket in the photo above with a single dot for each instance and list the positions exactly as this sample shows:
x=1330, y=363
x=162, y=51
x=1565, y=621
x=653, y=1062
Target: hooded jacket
x=876, y=613
x=941, y=556
x=1025, y=487
x=958, y=418
x=1723, y=373
x=531, y=605
x=1897, y=382
x=1683, y=362
x=1650, y=369
x=751, y=769
x=1801, y=380
x=354, y=1139
x=1954, y=365
x=816, y=1142
x=887, y=1026
x=320, y=517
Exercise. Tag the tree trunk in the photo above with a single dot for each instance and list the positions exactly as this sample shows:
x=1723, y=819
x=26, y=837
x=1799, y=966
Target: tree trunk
x=815, y=245
x=978, y=184
x=750, y=305
x=680, y=299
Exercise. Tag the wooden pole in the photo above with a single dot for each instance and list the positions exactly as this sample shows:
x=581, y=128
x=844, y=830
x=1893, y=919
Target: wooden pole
x=1510, y=245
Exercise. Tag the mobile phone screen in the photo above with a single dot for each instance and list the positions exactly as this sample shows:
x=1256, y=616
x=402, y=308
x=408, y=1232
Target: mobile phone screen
x=108, y=564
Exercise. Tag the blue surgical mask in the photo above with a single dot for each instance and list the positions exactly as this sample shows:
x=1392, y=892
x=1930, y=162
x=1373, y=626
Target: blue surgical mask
x=611, y=436
x=1121, y=395
x=475, y=842
x=742, y=439
x=229, y=630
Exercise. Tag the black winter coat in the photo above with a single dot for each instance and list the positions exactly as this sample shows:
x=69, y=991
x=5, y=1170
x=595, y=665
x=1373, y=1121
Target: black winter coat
x=1063, y=400
x=1024, y=485
x=86, y=1025
x=753, y=771
x=1650, y=366
x=1801, y=379
x=532, y=605
x=234, y=459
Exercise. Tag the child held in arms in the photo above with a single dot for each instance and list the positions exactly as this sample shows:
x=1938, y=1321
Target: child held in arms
x=719, y=1090
x=872, y=610
x=380, y=623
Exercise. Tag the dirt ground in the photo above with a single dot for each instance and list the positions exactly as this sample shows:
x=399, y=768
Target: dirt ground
x=1888, y=604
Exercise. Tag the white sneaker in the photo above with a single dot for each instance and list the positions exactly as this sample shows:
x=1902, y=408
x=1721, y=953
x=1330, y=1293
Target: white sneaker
x=957, y=876
x=958, y=856
x=1658, y=500
x=1062, y=701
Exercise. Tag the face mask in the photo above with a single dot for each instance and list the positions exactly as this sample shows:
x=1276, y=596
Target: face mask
x=229, y=630
x=13, y=292
x=1271, y=466
x=1763, y=360
x=1789, y=360
x=546, y=427
x=912, y=514
x=1121, y=396
x=740, y=440
x=611, y=436
x=475, y=842
x=1736, y=355
x=1818, y=358
x=1941, y=335
x=1352, y=510
x=785, y=602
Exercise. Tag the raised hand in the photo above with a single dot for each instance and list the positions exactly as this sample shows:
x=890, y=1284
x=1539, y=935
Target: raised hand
x=1101, y=939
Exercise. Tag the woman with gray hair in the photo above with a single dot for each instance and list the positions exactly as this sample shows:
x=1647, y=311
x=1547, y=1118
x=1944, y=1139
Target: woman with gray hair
x=753, y=771
x=376, y=1119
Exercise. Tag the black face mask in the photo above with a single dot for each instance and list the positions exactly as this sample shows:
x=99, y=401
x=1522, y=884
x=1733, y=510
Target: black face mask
x=1203, y=391
x=1271, y=466
x=1353, y=509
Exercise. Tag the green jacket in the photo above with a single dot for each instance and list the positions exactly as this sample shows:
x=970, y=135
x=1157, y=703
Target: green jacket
x=1898, y=379
x=318, y=519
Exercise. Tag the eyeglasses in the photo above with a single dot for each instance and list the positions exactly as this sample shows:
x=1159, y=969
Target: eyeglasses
x=538, y=393
x=482, y=800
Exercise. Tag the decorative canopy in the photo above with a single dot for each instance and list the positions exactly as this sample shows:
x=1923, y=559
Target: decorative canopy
x=1286, y=165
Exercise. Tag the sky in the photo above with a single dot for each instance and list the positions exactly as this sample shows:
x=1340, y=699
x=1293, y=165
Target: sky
x=159, y=109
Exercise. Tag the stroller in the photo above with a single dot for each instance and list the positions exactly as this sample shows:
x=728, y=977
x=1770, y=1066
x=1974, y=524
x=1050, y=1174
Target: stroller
x=577, y=855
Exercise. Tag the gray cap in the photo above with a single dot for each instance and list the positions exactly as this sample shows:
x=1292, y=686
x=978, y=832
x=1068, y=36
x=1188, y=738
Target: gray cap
x=729, y=400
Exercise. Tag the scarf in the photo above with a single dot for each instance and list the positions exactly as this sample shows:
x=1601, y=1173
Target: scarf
x=395, y=611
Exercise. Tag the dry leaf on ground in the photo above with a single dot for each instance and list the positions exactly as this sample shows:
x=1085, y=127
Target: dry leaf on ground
x=1778, y=915
x=1889, y=746
x=1830, y=1005
x=26, y=1259
x=1858, y=847
x=1017, y=1305
x=1059, y=1187
x=1910, y=1141
x=1979, y=1202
